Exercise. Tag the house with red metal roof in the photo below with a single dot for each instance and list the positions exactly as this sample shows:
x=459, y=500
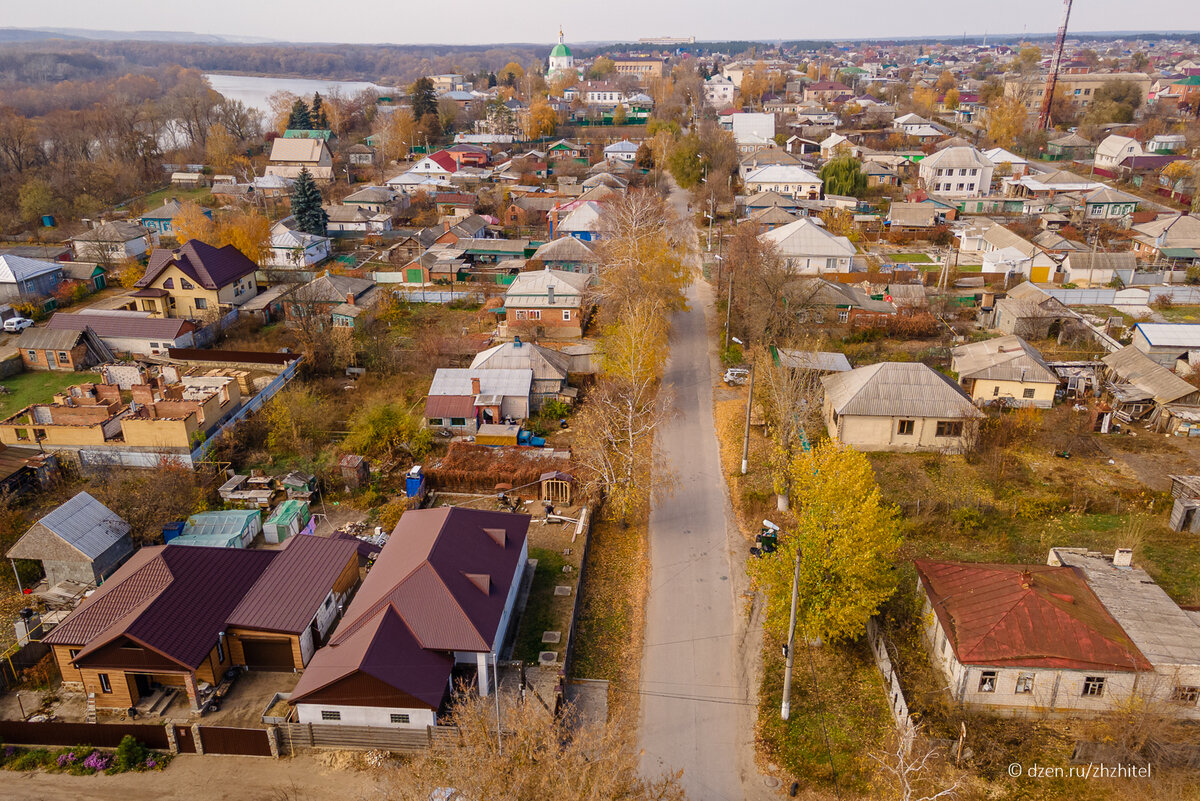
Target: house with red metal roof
x=182, y=617
x=1023, y=639
x=439, y=601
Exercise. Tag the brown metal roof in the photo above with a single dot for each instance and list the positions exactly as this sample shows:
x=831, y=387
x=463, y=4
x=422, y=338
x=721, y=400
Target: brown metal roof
x=120, y=325
x=292, y=588
x=1026, y=616
x=450, y=406
x=210, y=267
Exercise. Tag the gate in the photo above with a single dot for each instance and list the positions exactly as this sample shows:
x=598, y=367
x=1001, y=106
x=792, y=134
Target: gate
x=242, y=742
x=184, y=740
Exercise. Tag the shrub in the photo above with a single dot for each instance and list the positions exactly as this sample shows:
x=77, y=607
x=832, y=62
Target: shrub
x=1162, y=303
x=555, y=410
x=31, y=760
x=130, y=755
x=732, y=355
x=98, y=762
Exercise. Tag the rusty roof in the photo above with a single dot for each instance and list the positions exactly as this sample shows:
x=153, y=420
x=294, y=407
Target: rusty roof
x=1026, y=616
x=294, y=585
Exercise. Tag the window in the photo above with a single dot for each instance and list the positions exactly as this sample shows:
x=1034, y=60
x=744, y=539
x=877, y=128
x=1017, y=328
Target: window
x=169, y=283
x=32, y=354
x=435, y=421
x=1027, y=393
x=905, y=428
x=1185, y=695
x=960, y=187
x=458, y=421
x=185, y=284
x=23, y=433
x=1093, y=686
x=520, y=314
x=329, y=714
x=974, y=171
x=39, y=433
x=535, y=314
x=201, y=303
x=63, y=358
x=72, y=653
x=220, y=651
x=987, y=681
x=105, y=684
x=398, y=718
x=566, y=314
x=843, y=316
x=1024, y=684
x=949, y=428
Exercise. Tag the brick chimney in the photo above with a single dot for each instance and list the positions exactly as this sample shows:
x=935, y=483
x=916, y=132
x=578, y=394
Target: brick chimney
x=475, y=390
x=1026, y=580
x=349, y=298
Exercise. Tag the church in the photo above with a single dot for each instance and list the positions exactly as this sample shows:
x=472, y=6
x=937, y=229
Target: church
x=561, y=60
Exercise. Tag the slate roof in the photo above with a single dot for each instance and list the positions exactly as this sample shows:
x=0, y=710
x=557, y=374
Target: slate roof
x=210, y=267
x=546, y=364
x=956, y=158
x=1026, y=616
x=566, y=249
x=457, y=381
x=48, y=339
x=440, y=584
x=897, y=389
x=1007, y=358
x=1132, y=366
x=14, y=269
x=332, y=288
x=84, y=523
x=116, y=231
x=531, y=289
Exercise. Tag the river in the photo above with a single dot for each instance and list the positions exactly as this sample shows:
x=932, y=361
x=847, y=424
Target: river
x=253, y=90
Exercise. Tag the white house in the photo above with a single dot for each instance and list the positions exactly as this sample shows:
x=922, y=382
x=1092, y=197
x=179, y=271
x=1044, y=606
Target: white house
x=441, y=596
x=808, y=249
x=621, y=151
x=115, y=241
x=751, y=131
x=957, y=172
x=296, y=249
x=786, y=179
x=718, y=91
x=1115, y=149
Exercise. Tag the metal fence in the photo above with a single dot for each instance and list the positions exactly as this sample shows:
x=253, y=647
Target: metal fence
x=100, y=735
x=239, y=742
x=253, y=405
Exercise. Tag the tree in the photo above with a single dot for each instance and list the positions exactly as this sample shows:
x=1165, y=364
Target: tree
x=317, y=116
x=754, y=84
x=388, y=431
x=147, y=498
x=951, y=99
x=644, y=158
x=541, y=756
x=791, y=395
x=1114, y=101
x=299, y=119
x=762, y=307
x=220, y=148
x=542, y=121
x=685, y=162
x=511, y=74
x=845, y=539
x=640, y=260
x=248, y=231
x=423, y=98
x=945, y=82
x=843, y=176
x=1006, y=121
x=306, y=205
x=619, y=116
x=1028, y=60
x=35, y=199
x=192, y=222
x=924, y=97
x=909, y=771
x=602, y=67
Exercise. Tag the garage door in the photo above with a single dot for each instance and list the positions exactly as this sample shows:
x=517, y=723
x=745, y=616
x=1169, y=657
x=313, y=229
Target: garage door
x=268, y=654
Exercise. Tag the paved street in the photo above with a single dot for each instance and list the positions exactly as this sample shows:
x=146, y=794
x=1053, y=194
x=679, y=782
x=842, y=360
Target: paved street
x=697, y=713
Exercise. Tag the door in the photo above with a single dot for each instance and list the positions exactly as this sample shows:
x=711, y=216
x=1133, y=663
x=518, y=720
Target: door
x=142, y=682
x=268, y=654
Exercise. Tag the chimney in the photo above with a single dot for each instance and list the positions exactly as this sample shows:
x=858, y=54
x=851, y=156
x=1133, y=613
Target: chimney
x=349, y=298
x=1026, y=580
x=445, y=225
x=550, y=295
x=1123, y=557
x=475, y=386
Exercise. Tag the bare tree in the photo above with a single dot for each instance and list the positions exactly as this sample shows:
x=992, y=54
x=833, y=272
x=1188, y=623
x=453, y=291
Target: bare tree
x=911, y=772
x=789, y=380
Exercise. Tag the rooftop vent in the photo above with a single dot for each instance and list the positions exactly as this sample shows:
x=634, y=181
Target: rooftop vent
x=1123, y=557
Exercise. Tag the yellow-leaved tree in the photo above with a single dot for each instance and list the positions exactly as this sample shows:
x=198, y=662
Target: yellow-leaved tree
x=846, y=539
x=248, y=231
x=641, y=256
x=192, y=223
x=1006, y=121
x=542, y=120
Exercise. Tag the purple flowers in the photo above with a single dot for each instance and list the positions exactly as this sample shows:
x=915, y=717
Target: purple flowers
x=97, y=761
x=66, y=759
x=150, y=764
x=10, y=750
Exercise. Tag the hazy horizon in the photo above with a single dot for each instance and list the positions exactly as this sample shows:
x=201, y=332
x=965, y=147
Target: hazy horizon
x=308, y=21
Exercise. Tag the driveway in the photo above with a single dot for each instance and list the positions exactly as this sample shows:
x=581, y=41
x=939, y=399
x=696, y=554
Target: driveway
x=697, y=708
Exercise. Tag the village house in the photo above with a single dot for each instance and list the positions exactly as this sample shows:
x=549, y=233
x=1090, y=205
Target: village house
x=1167, y=343
x=441, y=596
x=295, y=249
x=114, y=242
x=82, y=541
x=332, y=300
x=131, y=334
x=462, y=400
x=1171, y=238
x=162, y=219
x=753, y=162
x=893, y=406
x=356, y=220
x=1114, y=149
x=567, y=254
x=547, y=302
x=786, y=179
x=808, y=249
x=196, y=279
x=1028, y=312
x=181, y=617
x=24, y=278
x=550, y=368
x=290, y=156
x=1107, y=203
x=1085, y=269
x=1004, y=370
x=49, y=349
x=956, y=172
x=822, y=301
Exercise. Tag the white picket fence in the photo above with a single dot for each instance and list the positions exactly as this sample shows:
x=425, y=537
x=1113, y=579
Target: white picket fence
x=896, y=701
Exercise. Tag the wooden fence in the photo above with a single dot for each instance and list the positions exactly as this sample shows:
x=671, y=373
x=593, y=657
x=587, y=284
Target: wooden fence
x=298, y=736
x=106, y=735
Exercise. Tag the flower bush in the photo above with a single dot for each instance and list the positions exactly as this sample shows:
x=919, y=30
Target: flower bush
x=84, y=760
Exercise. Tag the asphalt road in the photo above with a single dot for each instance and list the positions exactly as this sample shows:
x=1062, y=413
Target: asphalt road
x=697, y=708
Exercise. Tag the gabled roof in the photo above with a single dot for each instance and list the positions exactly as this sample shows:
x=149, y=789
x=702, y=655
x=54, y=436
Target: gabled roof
x=116, y=231
x=167, y=211
x=333, y=288
x=1132, y=366
x=897, y=389
x=532, y=289
x=566, y=249
x=294, y=584
x=1007, y=358
x=456, y=381
x=804, y=237
x=1026, y=616
x=956, y=158
x=133, y=326
x=546, y=364
x=584, y=217
x=440, y=584
x=15, y=269
x=210, y=267
x=47, y=338
x=782, y=174
x=308, y=151
x=84, y=523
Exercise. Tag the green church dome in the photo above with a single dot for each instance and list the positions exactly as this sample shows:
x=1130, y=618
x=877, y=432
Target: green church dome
x=560, y=51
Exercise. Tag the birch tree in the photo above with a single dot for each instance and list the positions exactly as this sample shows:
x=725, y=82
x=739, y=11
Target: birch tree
x=791, y=395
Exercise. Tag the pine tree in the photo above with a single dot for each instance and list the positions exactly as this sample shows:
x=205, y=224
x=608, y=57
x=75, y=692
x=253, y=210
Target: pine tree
x=424, y=99
x=306, y=205
x=300, y=119
x=317, y=116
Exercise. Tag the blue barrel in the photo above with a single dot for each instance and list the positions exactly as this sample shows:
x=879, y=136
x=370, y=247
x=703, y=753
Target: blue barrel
x=48, y=220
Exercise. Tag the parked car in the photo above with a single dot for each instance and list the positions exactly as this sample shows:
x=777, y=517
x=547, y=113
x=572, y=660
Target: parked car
x=15, y=325
x=737, y=376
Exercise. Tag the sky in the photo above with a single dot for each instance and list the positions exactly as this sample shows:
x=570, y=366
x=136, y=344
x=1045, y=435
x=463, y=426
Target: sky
x=624, y=20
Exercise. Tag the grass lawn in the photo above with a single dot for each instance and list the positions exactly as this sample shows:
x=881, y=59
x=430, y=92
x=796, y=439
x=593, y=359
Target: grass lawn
x=969, y=268
x=155, y=199
x=908, y=258
x=1181, y=314
x=539, y=615
x=36, y=387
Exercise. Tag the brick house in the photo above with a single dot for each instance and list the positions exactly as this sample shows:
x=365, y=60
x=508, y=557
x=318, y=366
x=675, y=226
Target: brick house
x=548, y=302
x=46, y=349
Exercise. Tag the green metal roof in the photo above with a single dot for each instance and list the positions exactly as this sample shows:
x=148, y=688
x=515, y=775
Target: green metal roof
x=1180, y=253
x=285, y=512
x=560, y=51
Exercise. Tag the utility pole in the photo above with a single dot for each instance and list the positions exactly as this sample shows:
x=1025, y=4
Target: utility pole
x=785, y=710
x=728, y=306
x=746, y=440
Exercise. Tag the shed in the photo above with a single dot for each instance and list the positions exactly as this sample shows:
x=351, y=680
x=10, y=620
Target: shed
x=556, y=487
x=497, y=434
x=82, y=540
x=232, y=528
x=355, y=470
x=288, y=520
